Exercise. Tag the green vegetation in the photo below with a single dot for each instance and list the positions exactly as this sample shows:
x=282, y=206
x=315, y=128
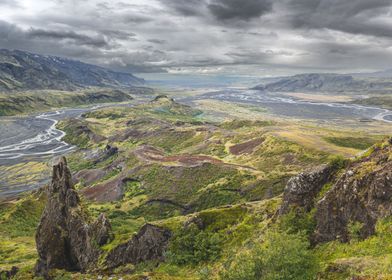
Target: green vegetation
x=281, y=256
x=298, y=222
x=18, y=222
x=383, y=101
x=190, y=246
x=32, y=101
x=360, y=258
x=216, y=186
x=359, y=143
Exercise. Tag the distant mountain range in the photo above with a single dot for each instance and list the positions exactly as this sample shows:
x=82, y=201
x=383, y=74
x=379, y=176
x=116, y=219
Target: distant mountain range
x=21, y=70
x=378, y=82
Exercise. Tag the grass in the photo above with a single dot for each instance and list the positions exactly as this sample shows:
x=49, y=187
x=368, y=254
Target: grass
x=18, y=222
x=383, y=101
x=363, y=258
x=359, y=143
x=33, y=101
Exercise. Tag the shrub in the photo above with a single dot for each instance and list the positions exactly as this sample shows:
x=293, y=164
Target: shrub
x=354, y=230
x=281, y=256
x=338, y=162
x=298, y=221
x=192, y=246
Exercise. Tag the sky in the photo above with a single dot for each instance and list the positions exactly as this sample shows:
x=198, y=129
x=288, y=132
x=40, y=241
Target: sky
x=250, y=37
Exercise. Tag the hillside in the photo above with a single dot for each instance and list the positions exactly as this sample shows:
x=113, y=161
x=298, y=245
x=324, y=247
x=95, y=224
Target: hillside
x=329, y=83
x=158, y=191
x=26, y=71
x=46, y=100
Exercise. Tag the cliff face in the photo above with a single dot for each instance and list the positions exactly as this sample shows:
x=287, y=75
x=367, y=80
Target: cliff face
x=65, y=238
x=361, y=194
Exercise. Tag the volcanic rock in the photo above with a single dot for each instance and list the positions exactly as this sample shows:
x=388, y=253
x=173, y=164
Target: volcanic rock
x=65, y=238
x=148, y=244
x=302, y=189
x=361, y=195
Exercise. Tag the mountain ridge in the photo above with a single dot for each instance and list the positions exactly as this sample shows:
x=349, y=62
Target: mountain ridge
x=328, y=82
x=20, y=70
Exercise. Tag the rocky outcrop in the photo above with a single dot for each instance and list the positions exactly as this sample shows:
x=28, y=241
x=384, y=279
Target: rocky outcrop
x=108, y=152
x=65, y=238
x=302, y=189
x=148, y=244
x=361, y=195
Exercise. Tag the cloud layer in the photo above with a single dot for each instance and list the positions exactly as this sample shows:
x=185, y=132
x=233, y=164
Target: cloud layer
x=263, y=37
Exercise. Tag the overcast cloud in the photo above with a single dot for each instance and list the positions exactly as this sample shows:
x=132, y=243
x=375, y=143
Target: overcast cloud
x=236, y=36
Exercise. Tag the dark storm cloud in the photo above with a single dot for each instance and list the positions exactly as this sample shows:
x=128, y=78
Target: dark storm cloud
x=9, y=3
x=153, y=35
x=221, y=10
x=137, y=18
x=13, y=37
x=239, y=9
x=157, y=41
x=186, y=7
x=118, y=34
x=356, y=17
x=79, y=39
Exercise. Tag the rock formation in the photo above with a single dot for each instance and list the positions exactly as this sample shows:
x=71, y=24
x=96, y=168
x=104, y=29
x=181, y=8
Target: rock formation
x=362, y=194
x=302, y=189
x=149, y=244
x=65, y=238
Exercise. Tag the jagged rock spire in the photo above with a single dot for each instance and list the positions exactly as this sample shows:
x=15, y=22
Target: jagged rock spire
x=65, y=239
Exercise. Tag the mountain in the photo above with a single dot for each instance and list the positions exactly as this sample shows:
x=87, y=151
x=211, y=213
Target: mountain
x=327, y=83
x=379, y=74
x=21, y=70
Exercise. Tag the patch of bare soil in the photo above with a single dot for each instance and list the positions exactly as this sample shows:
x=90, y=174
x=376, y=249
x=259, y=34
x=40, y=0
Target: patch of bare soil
x=89, y=176
x=105, y=192
x=246, y=147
